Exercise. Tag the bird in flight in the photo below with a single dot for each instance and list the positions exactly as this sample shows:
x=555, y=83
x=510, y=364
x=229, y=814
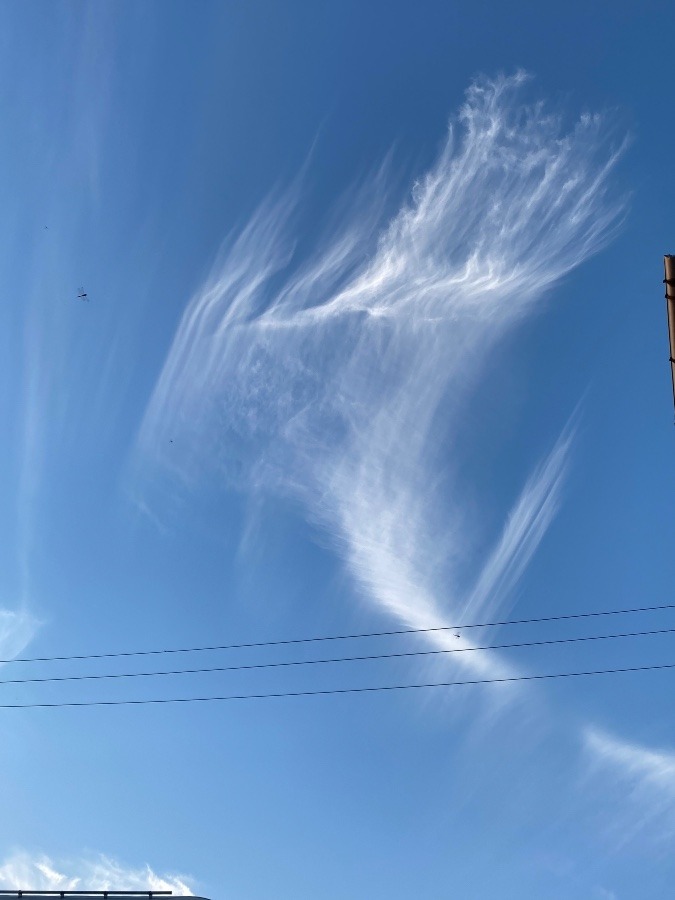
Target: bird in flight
x=82, y=295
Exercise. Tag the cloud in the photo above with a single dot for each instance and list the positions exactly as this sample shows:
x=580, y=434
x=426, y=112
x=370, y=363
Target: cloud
x=604, y=894
x=342, y=379
x=643, y=782
x=17, y=629
x=21, y=870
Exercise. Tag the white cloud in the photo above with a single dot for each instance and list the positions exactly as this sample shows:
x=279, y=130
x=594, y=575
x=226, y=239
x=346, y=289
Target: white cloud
x=642, y=783
x=343, y=382
x=604, y=894
x=17, y=629
x=21, y=870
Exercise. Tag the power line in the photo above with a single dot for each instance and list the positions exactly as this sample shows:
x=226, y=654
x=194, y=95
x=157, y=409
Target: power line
x=338, y=659
x=337, y=637
x=353, y=690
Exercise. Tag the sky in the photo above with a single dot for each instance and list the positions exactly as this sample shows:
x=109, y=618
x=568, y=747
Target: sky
x=374, y=341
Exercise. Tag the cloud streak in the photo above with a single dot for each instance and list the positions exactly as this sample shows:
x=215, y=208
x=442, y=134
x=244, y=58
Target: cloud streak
x=17, y=629
x=342, y=380
x=644, y=782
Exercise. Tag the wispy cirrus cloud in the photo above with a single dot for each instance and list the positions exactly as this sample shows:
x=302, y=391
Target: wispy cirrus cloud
x=343, y=380
x=641, y=782
x=17, y=629
x=22, y=870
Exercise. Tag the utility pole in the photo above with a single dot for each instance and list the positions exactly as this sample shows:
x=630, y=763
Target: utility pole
x=669, y=281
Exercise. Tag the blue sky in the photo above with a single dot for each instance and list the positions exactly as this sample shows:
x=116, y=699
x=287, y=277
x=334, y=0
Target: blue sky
x=375, y=340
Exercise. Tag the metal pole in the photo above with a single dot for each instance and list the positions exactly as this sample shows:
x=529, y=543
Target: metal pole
x=669, y=280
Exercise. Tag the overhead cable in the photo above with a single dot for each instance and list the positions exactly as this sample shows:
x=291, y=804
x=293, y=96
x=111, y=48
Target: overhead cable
x=329, y=691
x=338, y=659
x=337, y=637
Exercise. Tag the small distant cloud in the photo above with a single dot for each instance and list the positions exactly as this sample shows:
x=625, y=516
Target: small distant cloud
x=17, y=629
x=602, y=893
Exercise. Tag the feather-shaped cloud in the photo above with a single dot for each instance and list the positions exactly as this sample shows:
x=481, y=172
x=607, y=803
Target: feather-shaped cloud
x=343, y=380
